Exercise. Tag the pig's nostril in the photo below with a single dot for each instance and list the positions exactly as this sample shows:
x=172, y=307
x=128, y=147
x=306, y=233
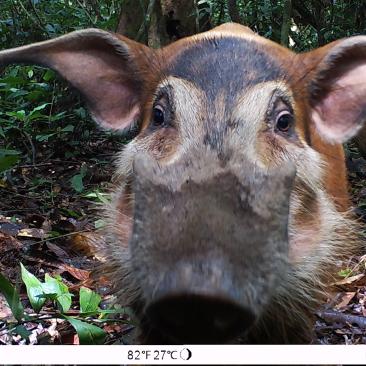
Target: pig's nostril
x=199, y=319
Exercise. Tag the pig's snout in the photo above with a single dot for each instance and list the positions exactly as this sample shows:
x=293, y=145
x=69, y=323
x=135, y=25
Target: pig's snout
x=208, y=245
x=199, y=318
x=199, y=302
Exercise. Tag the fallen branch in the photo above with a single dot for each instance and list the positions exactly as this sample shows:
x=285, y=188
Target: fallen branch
x=330, y=316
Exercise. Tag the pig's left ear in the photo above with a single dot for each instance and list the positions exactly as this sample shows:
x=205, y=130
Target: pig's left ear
x=337, y=88
x=104, y=67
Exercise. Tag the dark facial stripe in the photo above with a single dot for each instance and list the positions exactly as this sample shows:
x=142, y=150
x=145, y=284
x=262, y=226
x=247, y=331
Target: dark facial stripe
x=223, y=68
x=226, y=63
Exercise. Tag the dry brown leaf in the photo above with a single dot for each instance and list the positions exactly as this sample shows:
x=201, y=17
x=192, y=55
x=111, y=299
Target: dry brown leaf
x=31, y=233
x=3, y=183
x=9, y=228
x=60, y=253
x=5, y=312
x=56, y=188
x=78, y=273
x=8, y=242
x=82, y=243
x=345, y=299
x=349, y=280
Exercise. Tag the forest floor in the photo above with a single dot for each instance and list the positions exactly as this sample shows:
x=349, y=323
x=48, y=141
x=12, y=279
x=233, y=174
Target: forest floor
x=46, y=225
x=342, y=318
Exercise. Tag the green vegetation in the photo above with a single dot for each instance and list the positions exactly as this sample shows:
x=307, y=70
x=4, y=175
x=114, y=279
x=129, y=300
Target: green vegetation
x=54, y=293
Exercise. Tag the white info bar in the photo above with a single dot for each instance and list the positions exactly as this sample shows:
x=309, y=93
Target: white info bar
x=181, y=355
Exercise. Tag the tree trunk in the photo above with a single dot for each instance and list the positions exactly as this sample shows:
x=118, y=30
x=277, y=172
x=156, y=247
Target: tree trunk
x=157, y=36
x=143, y=21
x=131, y=17
x=233, y=11
x=180, y=17
x=221, y=12
x=157, y=22
x=360, y=141
x=286, y=23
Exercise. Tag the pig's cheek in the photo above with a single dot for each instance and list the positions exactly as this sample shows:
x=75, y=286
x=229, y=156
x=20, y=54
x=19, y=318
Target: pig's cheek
x=305, y=226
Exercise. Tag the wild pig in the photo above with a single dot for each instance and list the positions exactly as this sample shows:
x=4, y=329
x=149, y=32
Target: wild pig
x=231, y=206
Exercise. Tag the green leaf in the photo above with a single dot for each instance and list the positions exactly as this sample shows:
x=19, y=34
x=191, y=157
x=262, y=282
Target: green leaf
x=12, y=80
x=42, y=138
x=9, y=152
x=49, y=74
x=71, y=213
x=35, y=95
x=37, y=116
x=20, y=115
x=345, y=272
x=88, y=333
x=64, y=302
x=58, y=116
x=53, y=286
x=12, y=298
x=89, y=300
x=77, y=183
x=22, y=331
x=103, y=197
x=39, y=108
x=99, y=224
x=80, y=112
x=17, y=93
x=77, y=180
x=68, y=128
x=7, y=162
x=34, y=288
x=99, y=196
x=30, y=74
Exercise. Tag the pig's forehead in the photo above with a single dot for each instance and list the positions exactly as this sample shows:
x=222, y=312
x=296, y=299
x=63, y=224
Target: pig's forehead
x=226, y=63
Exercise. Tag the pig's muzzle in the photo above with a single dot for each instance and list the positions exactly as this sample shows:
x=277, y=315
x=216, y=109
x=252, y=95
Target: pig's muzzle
x=209, y=244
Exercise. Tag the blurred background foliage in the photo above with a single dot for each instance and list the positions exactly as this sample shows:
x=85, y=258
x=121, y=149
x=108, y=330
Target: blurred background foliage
x=37, y=109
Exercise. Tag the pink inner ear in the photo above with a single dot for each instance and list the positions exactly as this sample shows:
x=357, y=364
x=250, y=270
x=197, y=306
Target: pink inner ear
x=116, y=119
x=114, y=102
x=341, y=112
x=109, y=86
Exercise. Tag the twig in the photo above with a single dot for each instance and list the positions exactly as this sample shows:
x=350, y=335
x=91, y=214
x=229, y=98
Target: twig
x=337, y=317
x=21, y=195
x=17, y=210
x=147, y=18
x=37, y=16
x=34, y=165
x=52, y=102
x=62, y=236
x=32, y=147
x=86, y=12
x=30, y=16
x=196, y=16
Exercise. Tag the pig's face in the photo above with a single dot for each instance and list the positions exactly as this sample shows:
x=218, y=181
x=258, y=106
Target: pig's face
x=225, y=204
x=212, y=191
x=228, y=194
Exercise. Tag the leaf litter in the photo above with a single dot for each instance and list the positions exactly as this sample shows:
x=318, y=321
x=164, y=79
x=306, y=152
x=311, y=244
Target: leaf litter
x=47, y=223
x=342, y=318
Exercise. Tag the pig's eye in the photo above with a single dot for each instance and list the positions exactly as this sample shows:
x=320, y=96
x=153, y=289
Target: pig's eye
x=284, y=121
x=158, y=116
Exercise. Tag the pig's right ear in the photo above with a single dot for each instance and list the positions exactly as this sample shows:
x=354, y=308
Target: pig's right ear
x=337, y=88
x=104, y=67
